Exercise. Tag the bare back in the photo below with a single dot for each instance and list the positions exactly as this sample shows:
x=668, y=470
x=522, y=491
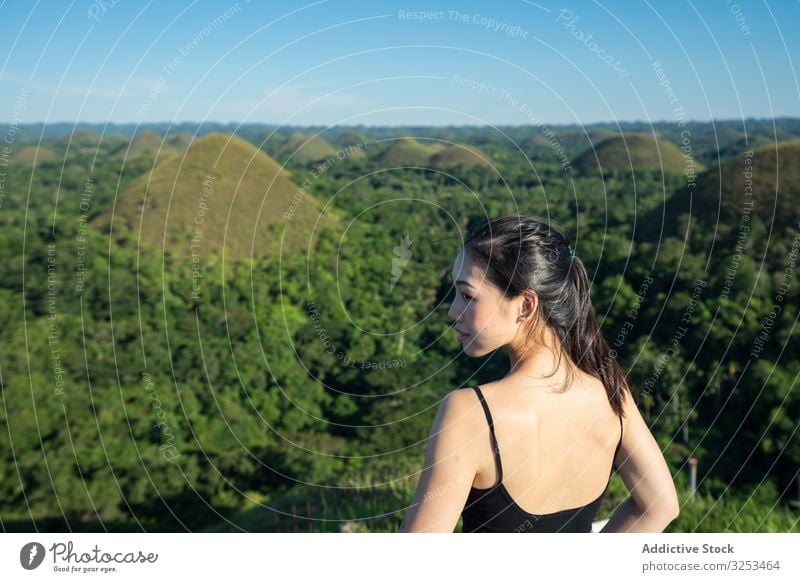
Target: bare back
x=556, y=448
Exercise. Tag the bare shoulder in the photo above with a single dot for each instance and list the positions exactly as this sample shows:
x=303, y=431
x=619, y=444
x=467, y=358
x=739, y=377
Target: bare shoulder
x=457, y=409
x=457, y=424
x=455, y=399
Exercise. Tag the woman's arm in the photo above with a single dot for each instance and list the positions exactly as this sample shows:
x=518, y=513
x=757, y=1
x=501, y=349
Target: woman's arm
x=449, y=470
x=653, y=503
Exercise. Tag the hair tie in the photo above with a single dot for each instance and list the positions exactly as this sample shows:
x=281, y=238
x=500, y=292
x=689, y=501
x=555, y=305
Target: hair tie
x=571, y=251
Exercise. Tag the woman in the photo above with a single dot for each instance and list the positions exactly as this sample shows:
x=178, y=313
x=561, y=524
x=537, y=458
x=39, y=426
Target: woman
x=535, y=450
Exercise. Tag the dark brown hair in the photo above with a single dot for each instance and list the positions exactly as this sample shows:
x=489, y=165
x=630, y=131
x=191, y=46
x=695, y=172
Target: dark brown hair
x=520, y=253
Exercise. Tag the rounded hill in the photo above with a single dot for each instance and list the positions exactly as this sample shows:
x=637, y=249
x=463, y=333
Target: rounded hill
x=304, y=148
x=746, y=204
x=460, y=155
x=222, y=191
x=637, y=151
x=146, y=144
x=407, y=151
x=763, y=183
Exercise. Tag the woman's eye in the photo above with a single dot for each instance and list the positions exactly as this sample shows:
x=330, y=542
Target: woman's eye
x=466, y=297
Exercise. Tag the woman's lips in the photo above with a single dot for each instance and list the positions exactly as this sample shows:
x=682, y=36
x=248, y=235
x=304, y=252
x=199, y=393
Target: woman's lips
x=462, y=336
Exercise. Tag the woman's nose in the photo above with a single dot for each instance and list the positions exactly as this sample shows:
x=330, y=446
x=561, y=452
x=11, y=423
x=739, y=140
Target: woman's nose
x=452, y=313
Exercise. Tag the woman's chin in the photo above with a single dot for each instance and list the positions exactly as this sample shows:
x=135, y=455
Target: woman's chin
x=471, y=350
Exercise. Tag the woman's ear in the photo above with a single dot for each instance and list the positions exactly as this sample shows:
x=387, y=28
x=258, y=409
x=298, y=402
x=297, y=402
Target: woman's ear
x=529, y=305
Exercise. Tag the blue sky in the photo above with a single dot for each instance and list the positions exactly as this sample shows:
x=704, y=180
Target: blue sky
x=339, y=62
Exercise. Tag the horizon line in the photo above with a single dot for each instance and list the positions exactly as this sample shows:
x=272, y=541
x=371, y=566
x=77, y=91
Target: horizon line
x=554, y=124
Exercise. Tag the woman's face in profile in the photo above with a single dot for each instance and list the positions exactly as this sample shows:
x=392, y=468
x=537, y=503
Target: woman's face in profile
x=485, y=319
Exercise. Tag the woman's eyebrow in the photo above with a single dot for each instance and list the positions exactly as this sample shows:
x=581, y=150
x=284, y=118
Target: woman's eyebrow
x=460, y=281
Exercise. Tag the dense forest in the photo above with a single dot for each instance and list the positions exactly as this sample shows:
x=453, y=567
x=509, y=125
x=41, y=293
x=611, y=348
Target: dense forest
x=244, y=328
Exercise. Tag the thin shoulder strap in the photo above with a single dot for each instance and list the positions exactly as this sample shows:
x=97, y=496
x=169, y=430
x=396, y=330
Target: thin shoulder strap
x=617, y=449
x=495, y=448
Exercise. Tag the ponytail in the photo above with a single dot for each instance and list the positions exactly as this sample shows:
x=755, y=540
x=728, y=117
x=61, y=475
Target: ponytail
x=588, y=348
x=526, y=252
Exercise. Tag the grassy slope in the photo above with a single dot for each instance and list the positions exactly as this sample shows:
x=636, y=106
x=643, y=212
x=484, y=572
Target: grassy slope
x=642, y=152
x=718, y=203
x=456, y=155
x=243, y=178
x=307, y=148
x=411, y=152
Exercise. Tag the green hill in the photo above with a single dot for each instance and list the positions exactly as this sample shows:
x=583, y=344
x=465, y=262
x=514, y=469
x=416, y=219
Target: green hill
x=353, y=144
x=407, y=151
x=217, y=186
x=639, y=151
x=351, y=138
x=749, y=200
x=460, y=155
x=32, y=155
x=768, y=178
x=306, y=148
x=179, y=140
x=146, y=144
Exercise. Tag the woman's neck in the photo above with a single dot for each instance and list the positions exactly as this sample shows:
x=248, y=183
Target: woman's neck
x=536, y=361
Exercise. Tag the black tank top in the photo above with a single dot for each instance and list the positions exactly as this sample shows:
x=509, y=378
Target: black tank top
x=494, y=510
